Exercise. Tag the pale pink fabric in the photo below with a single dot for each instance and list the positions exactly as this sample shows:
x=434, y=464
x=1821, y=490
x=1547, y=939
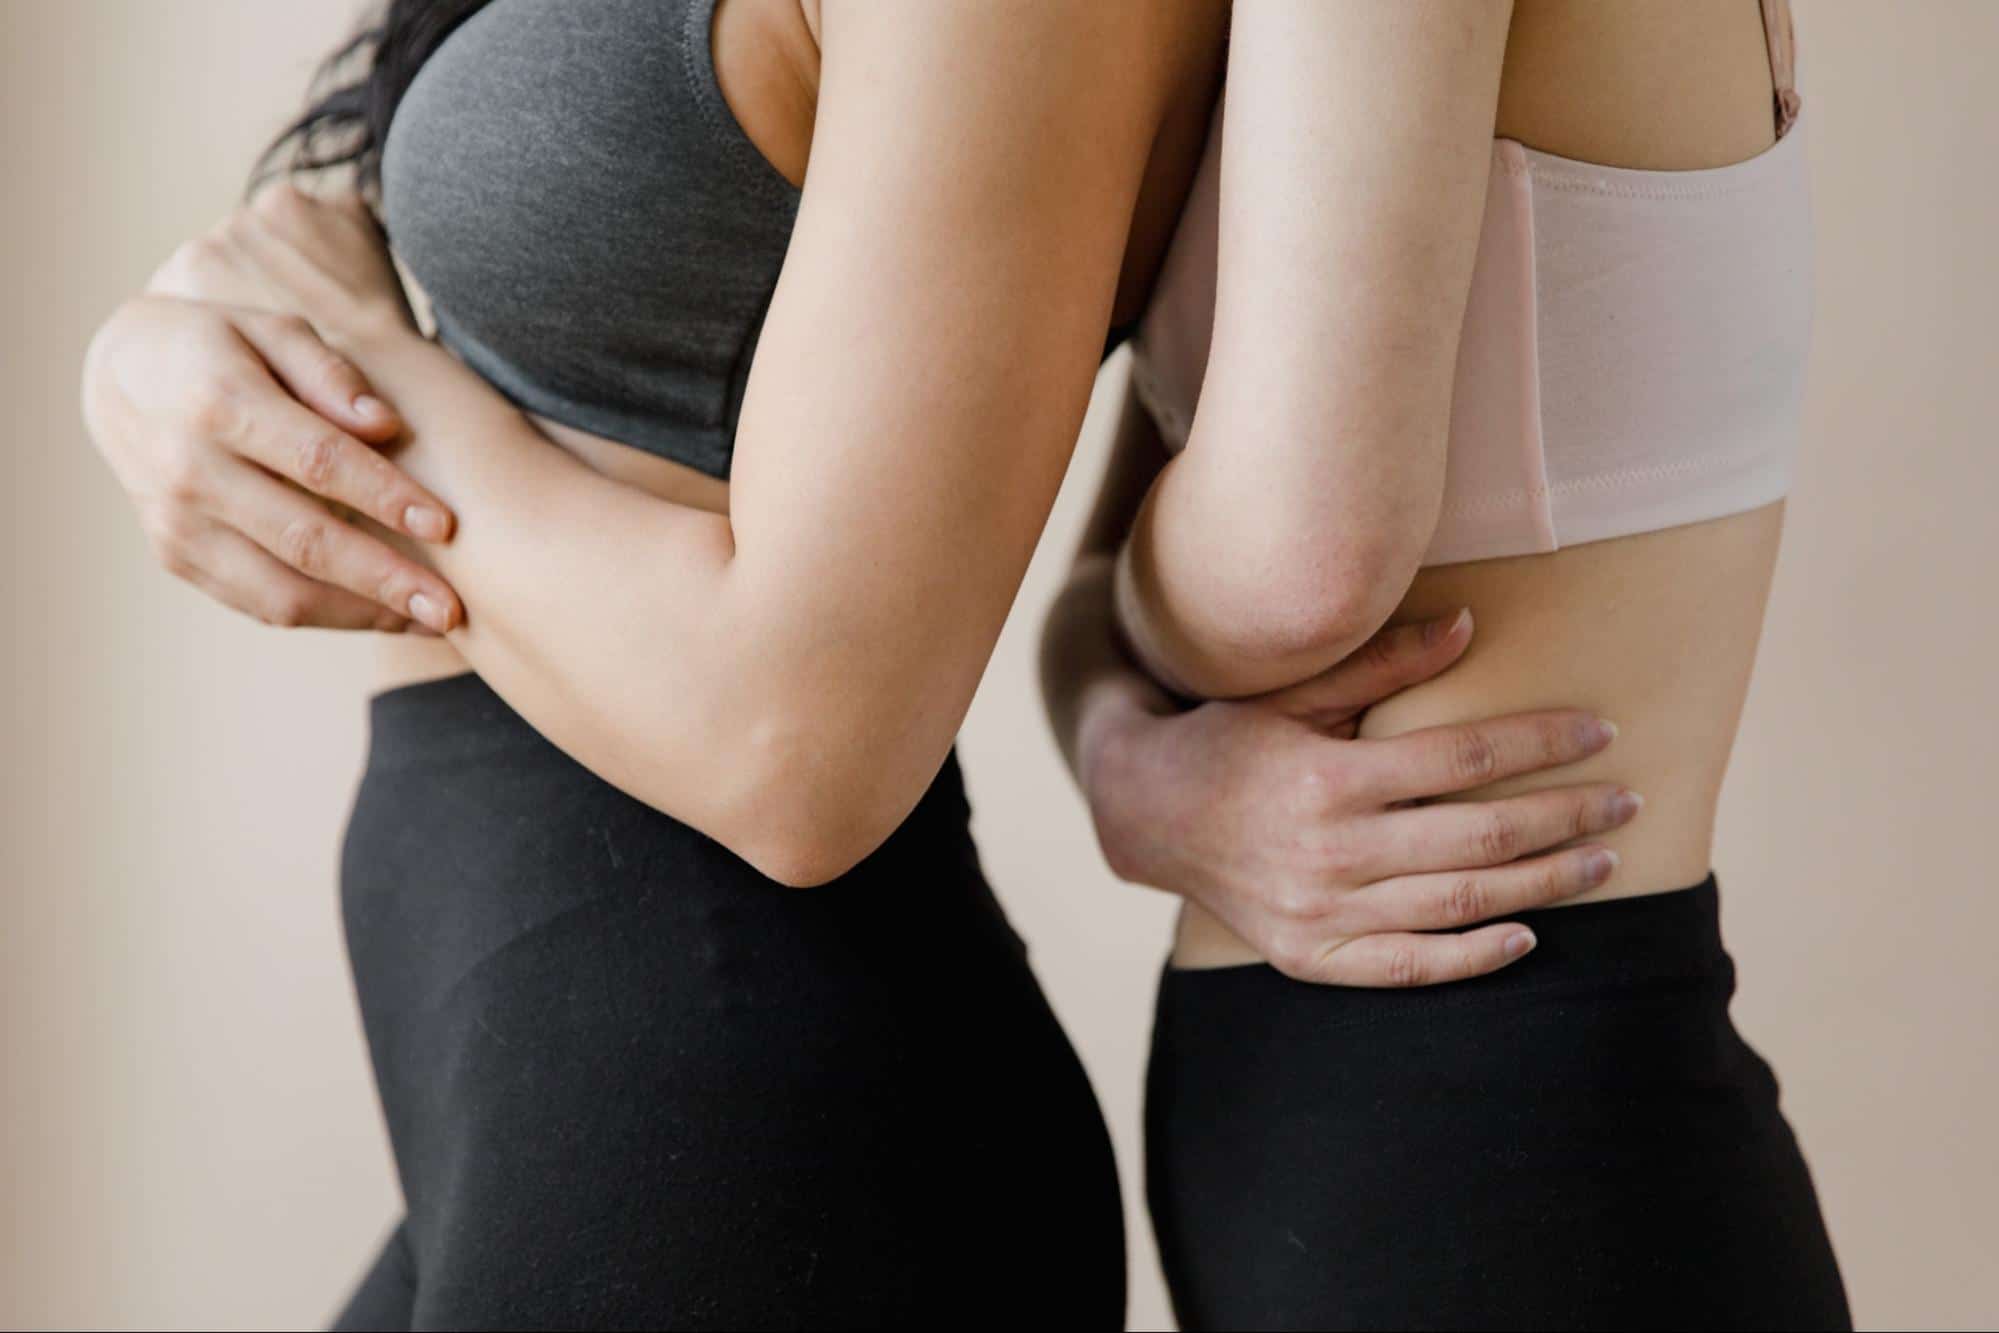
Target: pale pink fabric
x=1633, y=351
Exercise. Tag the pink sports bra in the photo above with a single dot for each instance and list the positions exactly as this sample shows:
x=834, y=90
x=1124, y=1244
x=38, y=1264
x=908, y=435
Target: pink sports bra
x=1633, y=350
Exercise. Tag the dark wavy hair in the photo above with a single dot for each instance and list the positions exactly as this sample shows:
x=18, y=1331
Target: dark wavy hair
x=355, y=93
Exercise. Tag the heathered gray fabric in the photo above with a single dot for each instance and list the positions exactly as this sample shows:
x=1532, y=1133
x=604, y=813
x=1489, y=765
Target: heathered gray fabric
x=597, y=235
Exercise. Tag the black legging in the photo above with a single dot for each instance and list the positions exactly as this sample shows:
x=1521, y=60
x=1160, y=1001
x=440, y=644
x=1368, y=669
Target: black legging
x=630, y=1083
x=1580, y=1141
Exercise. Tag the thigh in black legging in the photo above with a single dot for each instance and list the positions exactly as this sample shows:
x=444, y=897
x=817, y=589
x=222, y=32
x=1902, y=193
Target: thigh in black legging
x=631, y=1084
x=384, y=1301
x=1581, y=1141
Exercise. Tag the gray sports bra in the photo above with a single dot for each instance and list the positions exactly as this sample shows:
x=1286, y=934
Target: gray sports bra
x=597, y=236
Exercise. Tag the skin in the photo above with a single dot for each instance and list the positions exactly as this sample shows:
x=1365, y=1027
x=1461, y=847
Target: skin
x=1657, y=631
x=497, y=471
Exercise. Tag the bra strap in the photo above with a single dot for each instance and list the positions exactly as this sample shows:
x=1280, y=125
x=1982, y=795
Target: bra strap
x=1782, y=40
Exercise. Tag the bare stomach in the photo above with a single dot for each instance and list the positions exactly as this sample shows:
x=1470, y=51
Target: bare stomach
x=1655, y=632
x=406, y=659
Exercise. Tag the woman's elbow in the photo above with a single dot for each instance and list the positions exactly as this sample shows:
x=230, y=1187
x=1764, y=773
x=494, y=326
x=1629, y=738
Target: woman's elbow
x=806, y=839
x=800, y=859
x=1298, y=614
x=808, y=813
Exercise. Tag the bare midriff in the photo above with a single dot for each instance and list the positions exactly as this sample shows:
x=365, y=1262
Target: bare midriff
x=1656, y=632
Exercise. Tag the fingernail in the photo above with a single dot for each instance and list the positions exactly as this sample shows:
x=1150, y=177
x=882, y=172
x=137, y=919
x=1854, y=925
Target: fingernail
x=1518, y=943
x=429, y=612
x=1625, y=805
x=1598, y=732
x=425, y=523
x=1444, y=627
x=370, y=408
x=1598, y=865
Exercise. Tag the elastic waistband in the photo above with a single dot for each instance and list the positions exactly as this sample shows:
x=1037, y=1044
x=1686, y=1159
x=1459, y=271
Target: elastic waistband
x=460, y=720
x=1653, y=940
x=444, y=721
x=1654, y=936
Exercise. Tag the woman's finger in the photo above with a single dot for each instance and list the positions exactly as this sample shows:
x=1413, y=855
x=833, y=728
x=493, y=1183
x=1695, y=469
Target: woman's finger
x=302, y=535
x=1453, y=899
x=1458, y=835
x=318, y=376
x=235, y=571
x=1438, y=761
x=258, y=419
x=1402, y=960
x=1386, y=664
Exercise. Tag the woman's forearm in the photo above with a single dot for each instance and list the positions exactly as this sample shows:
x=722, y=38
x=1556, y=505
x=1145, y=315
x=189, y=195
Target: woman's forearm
x=615, y=622
x=593, y=607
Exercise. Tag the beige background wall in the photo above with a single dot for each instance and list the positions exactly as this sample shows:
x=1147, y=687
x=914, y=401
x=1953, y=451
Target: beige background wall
x=187, y=1136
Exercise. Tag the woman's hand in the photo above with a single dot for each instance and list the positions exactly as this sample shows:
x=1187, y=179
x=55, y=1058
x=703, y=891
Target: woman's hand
x=232, y=423
x=1316, y=848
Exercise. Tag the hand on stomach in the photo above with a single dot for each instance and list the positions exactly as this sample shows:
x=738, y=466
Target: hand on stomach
x=409, y=659
x=1655, y=632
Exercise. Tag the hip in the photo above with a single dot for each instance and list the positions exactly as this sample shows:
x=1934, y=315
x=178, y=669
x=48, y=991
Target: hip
x=1582, y=1140
x=474, y=839
x=624, y=1073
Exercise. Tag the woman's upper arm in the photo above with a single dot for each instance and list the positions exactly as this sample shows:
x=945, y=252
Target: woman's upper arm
x=928, y=356
x=1355, y=153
